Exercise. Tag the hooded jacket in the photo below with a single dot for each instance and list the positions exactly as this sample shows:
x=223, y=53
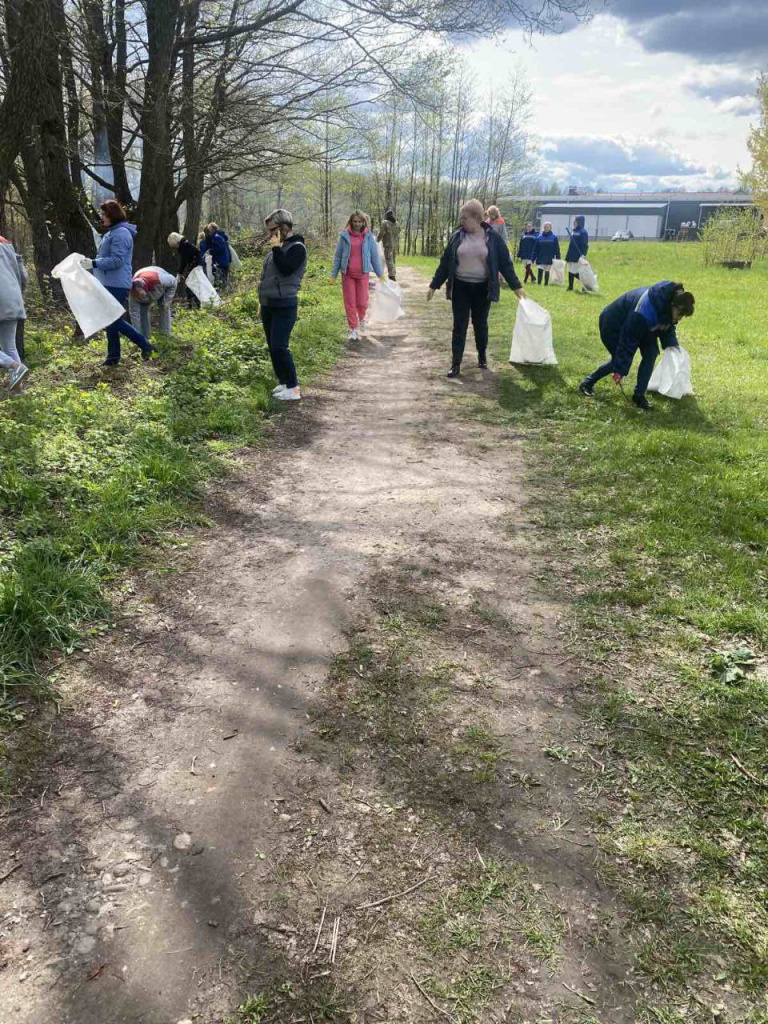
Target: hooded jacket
x=499, y=262
x=371, y=255
x=11, y=283
x=639, y=319
x=527, y=244
x=112, y=265
x=218, y=246
x=389, y=235
x=579, y=241
x=546, y=249
x=282, y=273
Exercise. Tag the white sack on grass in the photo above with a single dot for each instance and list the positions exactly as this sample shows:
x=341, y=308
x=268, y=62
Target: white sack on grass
x=587, y=275
x=91, y=304
x=386, y=306
x=236, y=262
x=672, y=374
x=532, y=336
x=557, y=274
x=208, y=261
x=202, y=288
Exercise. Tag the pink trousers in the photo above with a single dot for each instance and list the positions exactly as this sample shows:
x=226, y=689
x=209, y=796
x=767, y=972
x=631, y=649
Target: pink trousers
x=355, y=292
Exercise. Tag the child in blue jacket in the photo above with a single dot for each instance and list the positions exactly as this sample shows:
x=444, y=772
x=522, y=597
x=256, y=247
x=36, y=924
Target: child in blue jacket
x=546, y=249
x=526, y=248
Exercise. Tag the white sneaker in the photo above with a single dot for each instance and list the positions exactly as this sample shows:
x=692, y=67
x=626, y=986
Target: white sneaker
x=364, y=327
x=278, y=389
x=352, y=336
x=17, y=375
x=289, y=394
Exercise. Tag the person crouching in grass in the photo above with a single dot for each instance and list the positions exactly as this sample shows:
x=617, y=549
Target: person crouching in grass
x=639, y=319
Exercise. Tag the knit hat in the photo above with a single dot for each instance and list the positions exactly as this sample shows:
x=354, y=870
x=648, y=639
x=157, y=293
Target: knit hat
x=174, y=239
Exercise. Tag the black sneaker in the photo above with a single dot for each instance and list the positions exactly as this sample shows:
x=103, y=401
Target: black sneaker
x=483, y=364
x=146, y=353
x=642, y=403
x=111, y=362
x=587, y=389
x=454, y=371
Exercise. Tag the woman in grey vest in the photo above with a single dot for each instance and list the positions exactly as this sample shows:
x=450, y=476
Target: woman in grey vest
x=281, y=278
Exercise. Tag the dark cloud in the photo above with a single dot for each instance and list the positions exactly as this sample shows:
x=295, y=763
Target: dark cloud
x=724, y=29
x=611, y=156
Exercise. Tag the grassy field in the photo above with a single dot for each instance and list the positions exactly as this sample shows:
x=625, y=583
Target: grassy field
x=659, y=531
x=100, y=465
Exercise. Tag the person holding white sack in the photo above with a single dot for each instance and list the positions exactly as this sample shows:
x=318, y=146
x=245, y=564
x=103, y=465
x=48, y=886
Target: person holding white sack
x=577, y=250
x=639, y=319
x=151, y=285
x=546, y=250
x=11, y=312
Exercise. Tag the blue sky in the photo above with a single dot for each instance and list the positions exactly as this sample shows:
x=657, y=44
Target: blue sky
x=652, y=94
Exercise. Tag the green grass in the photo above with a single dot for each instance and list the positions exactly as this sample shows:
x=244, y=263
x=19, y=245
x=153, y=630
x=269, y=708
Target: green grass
x=663, y=521
x=98, y=467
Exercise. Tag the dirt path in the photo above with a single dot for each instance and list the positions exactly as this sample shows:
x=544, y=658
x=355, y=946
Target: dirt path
x=350, y=689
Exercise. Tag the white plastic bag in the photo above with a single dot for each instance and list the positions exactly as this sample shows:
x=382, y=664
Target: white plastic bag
x=396, y=289
x=557, y=274
x=91, y=304
x=202, y=288
x=587, y=275
x=385, y=306
x=532, y=336
x=235, y=261
x=672, y=374
x=208, y=261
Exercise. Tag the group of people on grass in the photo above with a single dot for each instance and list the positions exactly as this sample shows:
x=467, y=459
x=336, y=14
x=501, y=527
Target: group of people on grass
x=473, y=263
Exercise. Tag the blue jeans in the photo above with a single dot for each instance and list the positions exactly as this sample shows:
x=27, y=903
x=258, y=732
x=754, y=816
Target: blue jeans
x=278, y=322
x=123, y=326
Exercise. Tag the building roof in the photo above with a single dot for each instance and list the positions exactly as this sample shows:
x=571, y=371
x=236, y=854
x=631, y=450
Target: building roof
x=636, y=198
x=602, y=206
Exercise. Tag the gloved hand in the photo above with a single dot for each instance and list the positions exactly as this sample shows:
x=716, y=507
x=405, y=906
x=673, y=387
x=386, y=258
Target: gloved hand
x=86, y=263
x=617, y=378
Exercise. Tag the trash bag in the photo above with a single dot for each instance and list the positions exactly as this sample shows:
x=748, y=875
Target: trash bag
x=208, y=261
x=532, y=336
x=672, y=374
x=557, y=274
x=386, y=306
x=202, y=288
x=91, y=304
x=235, y=261
x=396, y=289
x=587, y=276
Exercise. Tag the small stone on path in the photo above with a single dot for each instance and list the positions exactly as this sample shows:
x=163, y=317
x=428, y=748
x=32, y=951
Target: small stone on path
x=183, y=841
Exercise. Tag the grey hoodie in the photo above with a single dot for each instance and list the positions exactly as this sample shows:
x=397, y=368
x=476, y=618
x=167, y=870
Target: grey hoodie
x=11, y=300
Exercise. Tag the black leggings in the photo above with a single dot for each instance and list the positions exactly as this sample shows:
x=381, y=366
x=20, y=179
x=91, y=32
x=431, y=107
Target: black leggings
x=528, y=273
x=469, y=298
x=544, y=274
x=572, y=278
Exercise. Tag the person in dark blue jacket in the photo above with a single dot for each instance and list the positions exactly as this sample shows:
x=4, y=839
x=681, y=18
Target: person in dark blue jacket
x=525, y=250
x=216, y=242
x=546, y=249
x=578, y=248
x=639, y=319
x=471, y=264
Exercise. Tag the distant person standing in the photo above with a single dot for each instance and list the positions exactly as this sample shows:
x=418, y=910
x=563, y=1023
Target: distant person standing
x=577, y=250
x=389, y=236
x=12, y=311
x=498, y=223
x=151, y=286
x=281, y=277
x=356, y=256
x=216, y=242
x=546, y=250
x=639, y=319
x=189, y=258
x=525, y=250
x=470, y=267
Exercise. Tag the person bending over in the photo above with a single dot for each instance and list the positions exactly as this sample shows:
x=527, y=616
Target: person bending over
x=151, y=285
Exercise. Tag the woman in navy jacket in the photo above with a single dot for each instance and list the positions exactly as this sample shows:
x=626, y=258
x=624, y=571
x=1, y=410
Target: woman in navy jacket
x=526, y=248
x=577, y=250
x=545, y=250
x=639, y=319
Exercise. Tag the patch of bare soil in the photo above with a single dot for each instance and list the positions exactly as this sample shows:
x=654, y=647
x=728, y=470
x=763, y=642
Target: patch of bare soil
x=326, y=770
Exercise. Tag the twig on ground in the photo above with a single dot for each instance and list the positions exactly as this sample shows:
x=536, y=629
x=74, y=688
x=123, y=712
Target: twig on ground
x=747, y=773
x=334, y=940
x=394, y=896
x=480, y=858
x=432, y=1003
x=324, y=805
x=587, y=999
x=10, y=871
x=320, y=929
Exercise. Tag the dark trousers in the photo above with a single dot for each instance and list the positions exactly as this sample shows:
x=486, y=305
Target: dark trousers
x=469, y=299
x=220, y=277
x=123, y=326
x=20, y=339
x=528, y=273
x=278, y=323
x=645, y=369
x=572, y=278
x=545, y=275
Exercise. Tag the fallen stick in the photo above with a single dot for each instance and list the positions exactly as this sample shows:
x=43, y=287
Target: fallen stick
x=747, y=773
x=320, y=929
x=394, y=896
x=581, y=995
x=10, y=872
x=431, y=1002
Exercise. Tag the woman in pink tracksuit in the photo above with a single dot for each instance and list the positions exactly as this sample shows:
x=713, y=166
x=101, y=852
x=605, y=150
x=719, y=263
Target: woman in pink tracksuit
x=357, y=254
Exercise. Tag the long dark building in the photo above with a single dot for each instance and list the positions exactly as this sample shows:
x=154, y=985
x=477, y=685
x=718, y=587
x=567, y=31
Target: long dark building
x=649, y=215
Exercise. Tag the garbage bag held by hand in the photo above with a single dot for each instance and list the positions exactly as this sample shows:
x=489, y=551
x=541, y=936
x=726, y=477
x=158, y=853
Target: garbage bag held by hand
x=672, y=374
x=235, y=261
x=91, y=304
x=385, y=307
x=532, y=336
x=587, y=276
x=208, y=261
x=557, y=273
x=202, y=288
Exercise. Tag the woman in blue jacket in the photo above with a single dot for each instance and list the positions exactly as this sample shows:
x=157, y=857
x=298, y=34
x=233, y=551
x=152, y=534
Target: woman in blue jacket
x=546, y=249
x=577, y=250
x=357, y=254
x=216, y=242
x=113, y=267
x=639, y=319
x=525, y=250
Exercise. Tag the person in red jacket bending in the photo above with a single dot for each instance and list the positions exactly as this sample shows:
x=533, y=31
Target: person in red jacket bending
x=151, y=285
